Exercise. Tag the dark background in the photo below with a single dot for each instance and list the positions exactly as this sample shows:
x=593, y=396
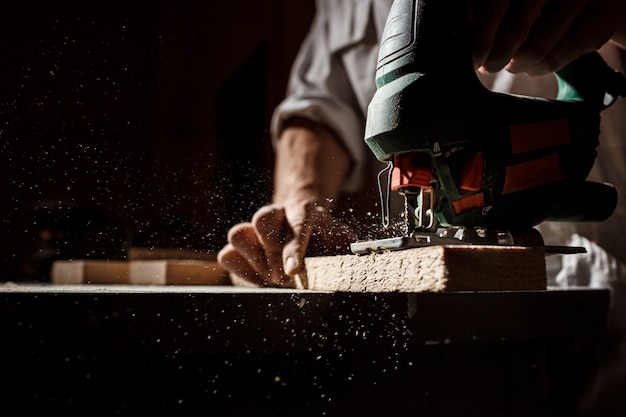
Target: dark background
x=136, y=123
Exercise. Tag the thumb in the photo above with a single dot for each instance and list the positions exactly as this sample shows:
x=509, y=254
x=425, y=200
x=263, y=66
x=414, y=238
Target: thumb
x=319, y=234
x=301, y=219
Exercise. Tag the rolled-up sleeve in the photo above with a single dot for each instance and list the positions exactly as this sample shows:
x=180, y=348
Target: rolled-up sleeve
x=326, y=84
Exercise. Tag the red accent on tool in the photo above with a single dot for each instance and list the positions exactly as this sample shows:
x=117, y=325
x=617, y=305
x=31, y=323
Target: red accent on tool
x=532, y=174
x=472, y=173
x=530, y=137
x=469, y=202
x=410, y=169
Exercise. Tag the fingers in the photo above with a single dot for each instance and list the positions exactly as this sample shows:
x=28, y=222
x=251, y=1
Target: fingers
x=512, y=31
x=485, y=17
x=244, y=254
x=272, y=231
x=234, y=262
x=244, y=238
x=587, y=32
x=302, y=221
x=551, y=25
x=537, y=36
x=499, y=28
x=270, y=250
x=255, y=250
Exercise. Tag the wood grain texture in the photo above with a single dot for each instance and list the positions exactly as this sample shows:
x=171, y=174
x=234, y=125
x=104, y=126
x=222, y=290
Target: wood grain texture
x=429, y=269
x=136, y=253
x=138, y=272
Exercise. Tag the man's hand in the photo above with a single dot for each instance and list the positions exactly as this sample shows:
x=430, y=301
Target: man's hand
x=270, y=250
x=541, y=36
x=311, y=166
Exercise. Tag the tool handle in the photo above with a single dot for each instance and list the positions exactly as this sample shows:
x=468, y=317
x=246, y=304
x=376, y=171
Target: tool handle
x=589, y=78
x=421, y=36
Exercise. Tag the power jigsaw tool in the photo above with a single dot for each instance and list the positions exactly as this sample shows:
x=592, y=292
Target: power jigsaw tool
x=475, y=166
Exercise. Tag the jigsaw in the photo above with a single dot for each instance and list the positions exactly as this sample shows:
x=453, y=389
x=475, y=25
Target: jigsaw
x=475, y=166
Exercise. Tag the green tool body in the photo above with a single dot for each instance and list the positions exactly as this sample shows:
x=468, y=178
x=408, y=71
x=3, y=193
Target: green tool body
x=487, y=159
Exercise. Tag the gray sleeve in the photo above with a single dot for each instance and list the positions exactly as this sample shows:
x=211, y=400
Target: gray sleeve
x=327, y=77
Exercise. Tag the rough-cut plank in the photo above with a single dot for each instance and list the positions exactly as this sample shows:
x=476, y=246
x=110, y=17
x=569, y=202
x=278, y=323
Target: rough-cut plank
x=170, y=272
x=429, y=269
x=137, y=253
x=149, y=272
x=89, y=271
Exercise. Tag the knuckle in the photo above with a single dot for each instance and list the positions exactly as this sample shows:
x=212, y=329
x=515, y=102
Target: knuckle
x=531, y=54
x=264, y=214
x=224, y=253
x=239, y=232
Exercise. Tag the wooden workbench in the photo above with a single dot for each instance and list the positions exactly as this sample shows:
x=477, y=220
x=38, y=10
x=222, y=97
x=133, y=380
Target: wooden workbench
x=198, y=350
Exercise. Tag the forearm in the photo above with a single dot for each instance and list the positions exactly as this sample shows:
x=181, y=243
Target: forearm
x=619, y=37
x=311, y=164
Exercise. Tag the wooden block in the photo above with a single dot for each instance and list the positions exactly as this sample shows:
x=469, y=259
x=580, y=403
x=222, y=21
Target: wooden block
x=90, y=272
x=429, y=269
x=172, y=272
x=138, y=253
x=149, y=272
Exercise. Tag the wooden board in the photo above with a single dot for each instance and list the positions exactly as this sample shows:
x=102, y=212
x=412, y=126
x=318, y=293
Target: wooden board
x=137, y=253
x=429, y=269
x=95, y=350
x=149, y=272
